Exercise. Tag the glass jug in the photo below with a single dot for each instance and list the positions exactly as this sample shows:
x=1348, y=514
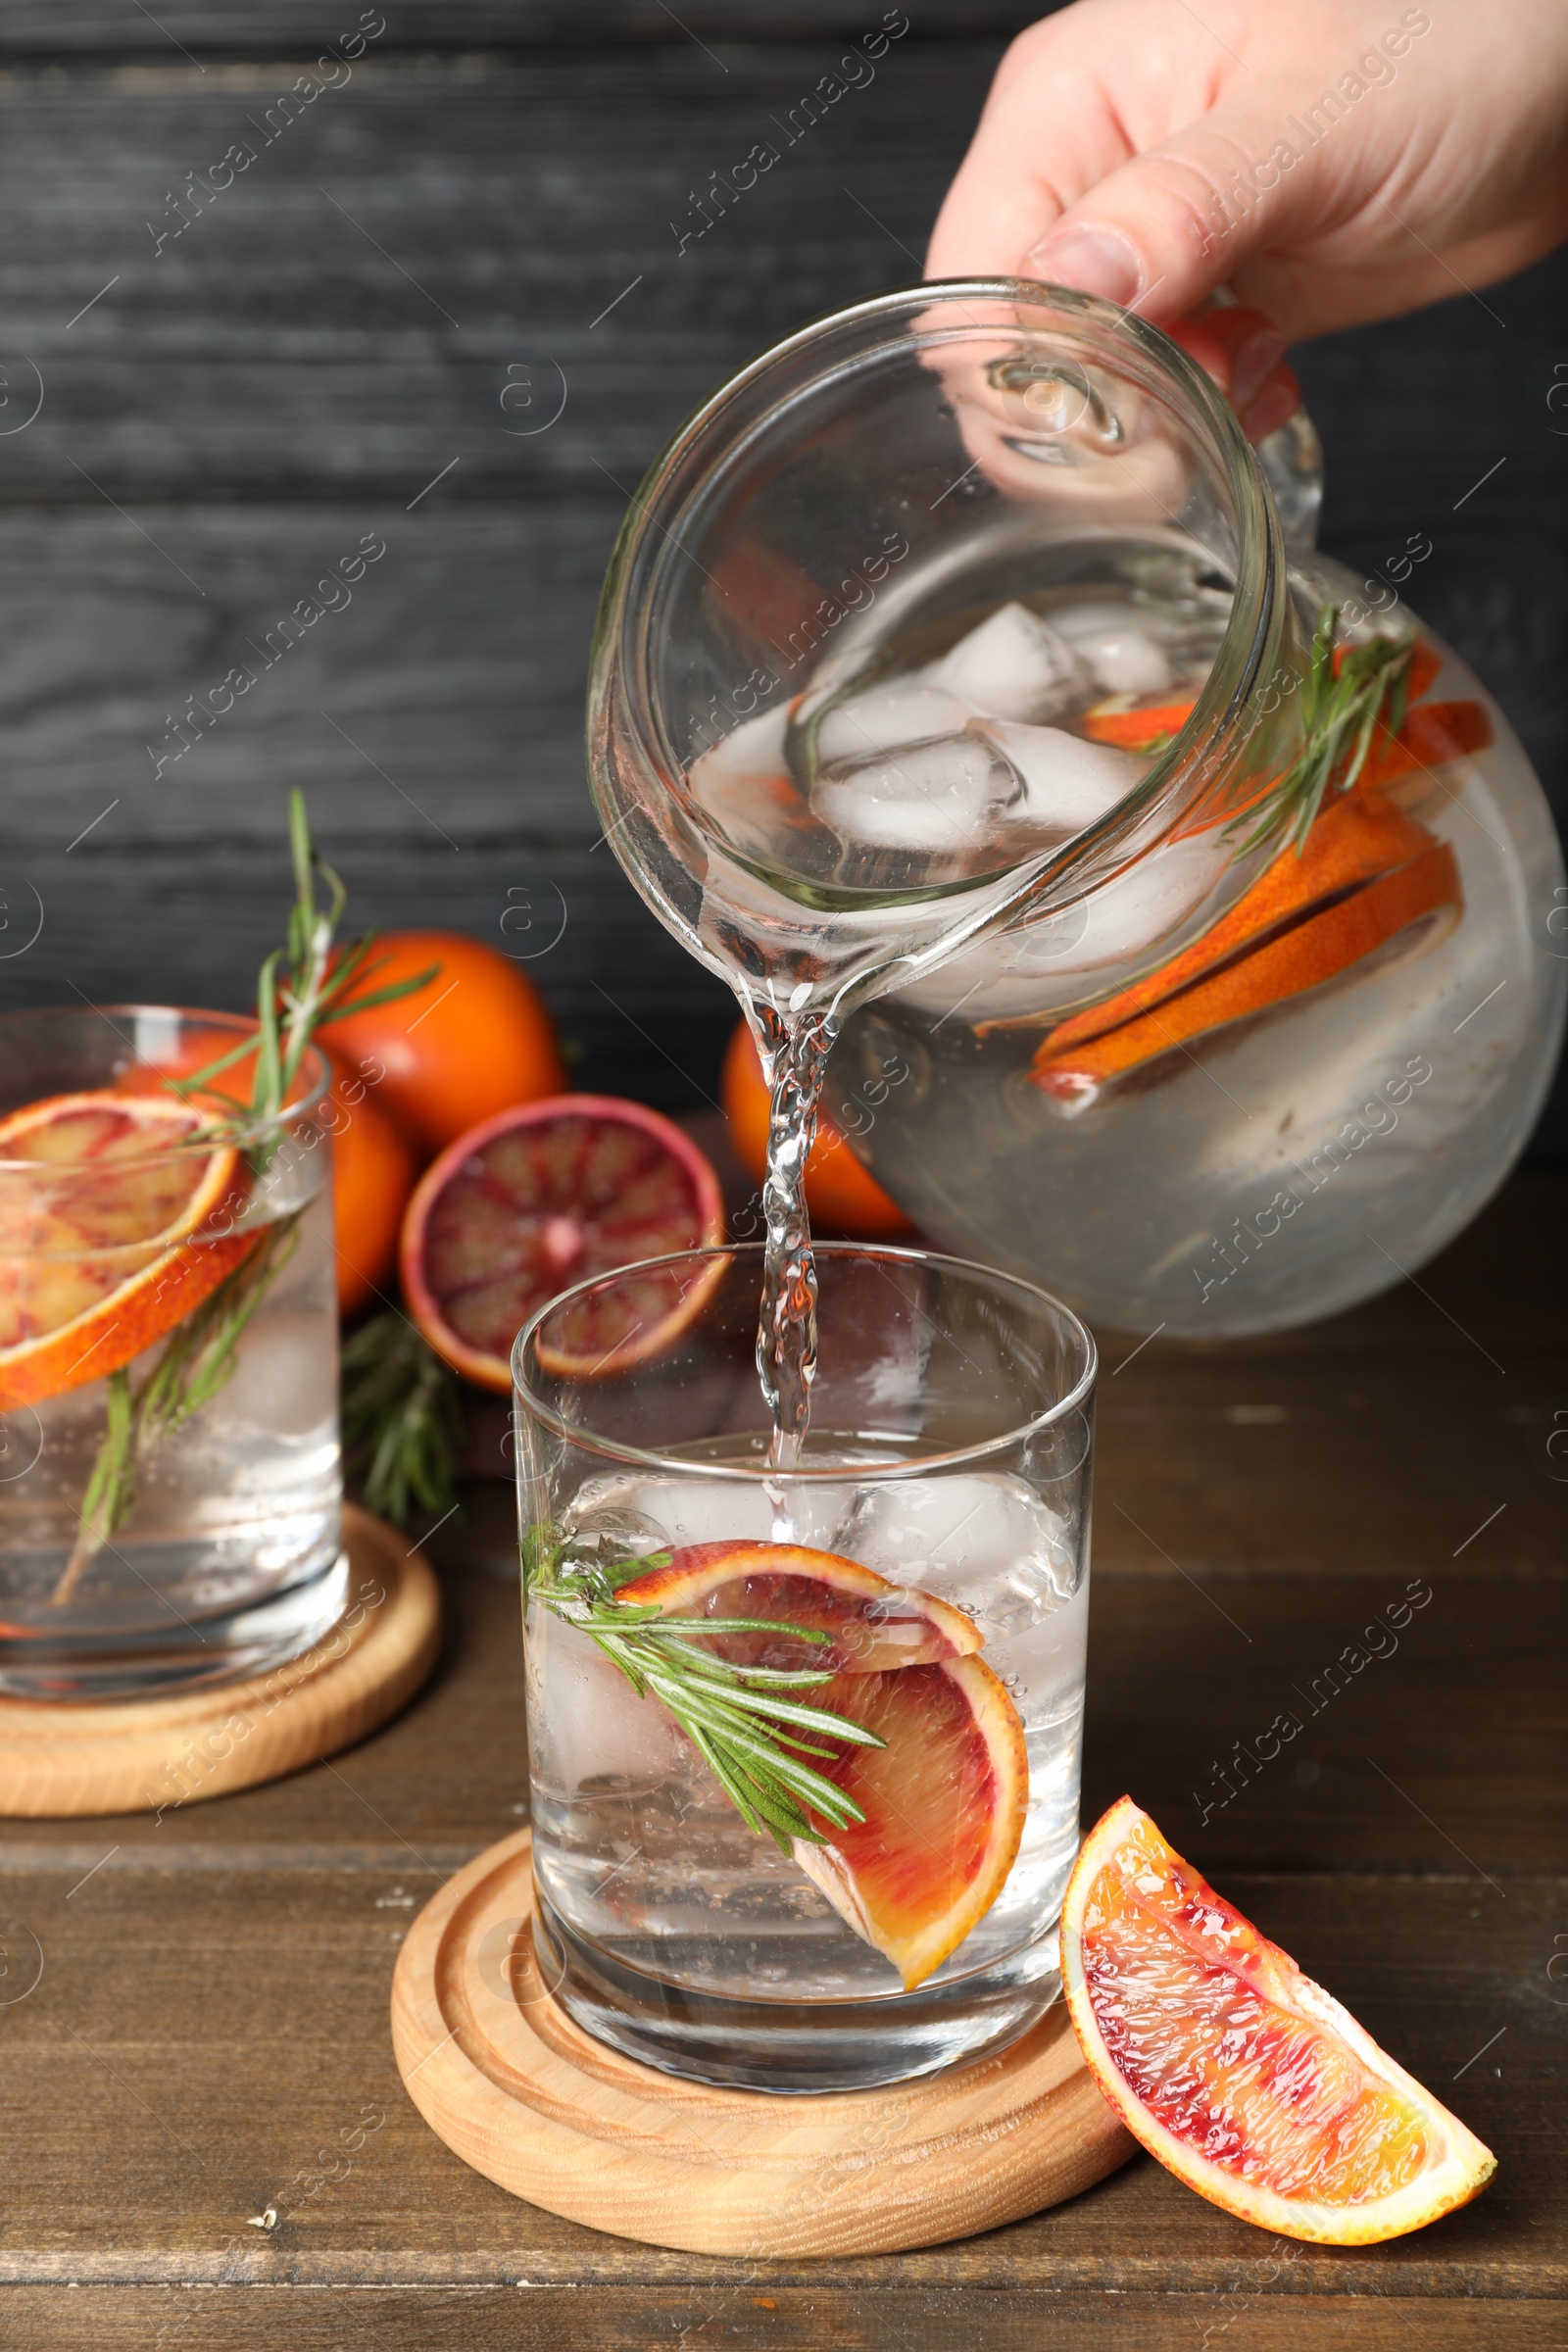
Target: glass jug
x=1191, y=909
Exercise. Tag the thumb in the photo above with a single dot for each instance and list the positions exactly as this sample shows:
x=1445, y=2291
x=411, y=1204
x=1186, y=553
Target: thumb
x=1161, y=233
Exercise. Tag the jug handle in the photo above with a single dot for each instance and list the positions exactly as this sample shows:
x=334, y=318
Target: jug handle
x=1292, y=460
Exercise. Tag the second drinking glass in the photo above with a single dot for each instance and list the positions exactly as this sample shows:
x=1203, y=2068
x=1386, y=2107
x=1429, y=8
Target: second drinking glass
x=728, y=1885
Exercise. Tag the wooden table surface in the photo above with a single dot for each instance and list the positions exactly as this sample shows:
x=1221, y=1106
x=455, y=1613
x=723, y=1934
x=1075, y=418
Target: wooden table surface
x=336, y=348
x=206, y=2144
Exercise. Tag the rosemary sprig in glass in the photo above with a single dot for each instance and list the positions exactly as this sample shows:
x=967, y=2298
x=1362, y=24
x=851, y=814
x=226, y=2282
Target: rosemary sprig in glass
x=299, y=990
x=1341, y=712
x=196, y=1363
x=741, y=1721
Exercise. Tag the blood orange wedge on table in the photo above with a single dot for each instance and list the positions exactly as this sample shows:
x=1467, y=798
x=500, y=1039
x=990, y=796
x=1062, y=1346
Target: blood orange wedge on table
x=942, y=1797
x=1241, y=2074
x=545, y=1195
x=101, y=1235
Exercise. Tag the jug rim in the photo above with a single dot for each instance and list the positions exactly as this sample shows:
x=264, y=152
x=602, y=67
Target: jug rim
x=1192, y=768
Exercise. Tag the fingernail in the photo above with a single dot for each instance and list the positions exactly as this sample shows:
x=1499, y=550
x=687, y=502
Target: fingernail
x=1253, y=362
x=1096, y=261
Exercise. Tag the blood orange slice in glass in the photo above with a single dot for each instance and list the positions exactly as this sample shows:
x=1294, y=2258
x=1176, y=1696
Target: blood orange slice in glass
x=944, y=1802
x=110, y=1234
x=1241, y=2074
x=943, y=1798
x=871, y=1624
x=545, y=1195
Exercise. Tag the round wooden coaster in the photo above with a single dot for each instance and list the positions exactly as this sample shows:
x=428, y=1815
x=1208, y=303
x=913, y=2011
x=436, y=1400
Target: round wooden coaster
x=525, y=2096
x=147, y=1755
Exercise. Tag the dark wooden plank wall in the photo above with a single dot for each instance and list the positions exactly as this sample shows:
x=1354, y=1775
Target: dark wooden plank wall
x=236, y=409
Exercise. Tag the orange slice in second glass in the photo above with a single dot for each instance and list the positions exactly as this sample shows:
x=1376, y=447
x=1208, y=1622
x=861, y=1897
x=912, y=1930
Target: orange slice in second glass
x=1241, y=2074
x=943, y=1800
x=113, y=1227
x=870, y=1623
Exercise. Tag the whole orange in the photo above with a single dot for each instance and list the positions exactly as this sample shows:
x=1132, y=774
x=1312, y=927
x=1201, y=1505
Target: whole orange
x=374, y=1168
x=475, y=1038
x=839, y=1193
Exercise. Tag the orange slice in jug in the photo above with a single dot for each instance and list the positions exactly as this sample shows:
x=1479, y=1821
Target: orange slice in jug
x=1430, y=737
x=1147, y=727
x=1366, y=874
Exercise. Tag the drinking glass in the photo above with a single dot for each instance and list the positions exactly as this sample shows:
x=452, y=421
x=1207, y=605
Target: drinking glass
x=950, y=1456
x=169, y=1482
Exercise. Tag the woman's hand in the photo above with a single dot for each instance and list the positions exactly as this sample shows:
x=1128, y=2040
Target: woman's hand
x=1329, y=160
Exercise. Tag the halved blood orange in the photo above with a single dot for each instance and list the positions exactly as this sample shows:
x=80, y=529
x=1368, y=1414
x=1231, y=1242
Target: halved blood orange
x=102, y=1241
x=942, y=1800
x=544, y=1196
x=1241, y=2074
x=872, y=1624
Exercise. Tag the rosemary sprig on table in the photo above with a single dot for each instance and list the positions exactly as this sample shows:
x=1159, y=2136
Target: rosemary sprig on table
x=300, y=987
x=401, y=1420
x=1340, y=710
x=749, y=1732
